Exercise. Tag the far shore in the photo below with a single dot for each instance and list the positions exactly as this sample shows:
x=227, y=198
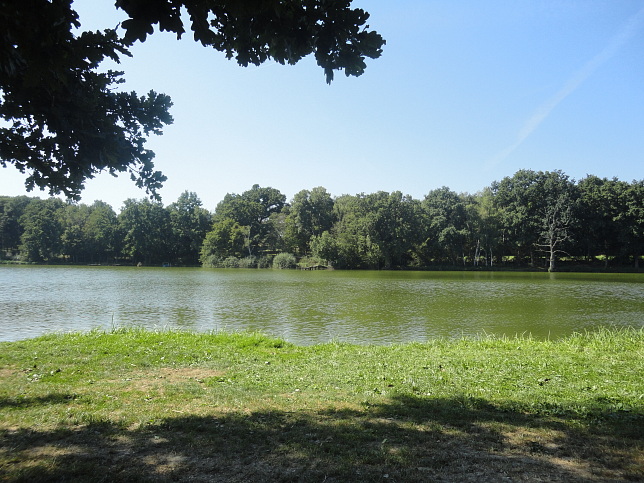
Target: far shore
x=563, y=268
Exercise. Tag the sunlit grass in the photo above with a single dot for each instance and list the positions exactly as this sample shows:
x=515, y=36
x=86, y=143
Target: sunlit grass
x=375, y=406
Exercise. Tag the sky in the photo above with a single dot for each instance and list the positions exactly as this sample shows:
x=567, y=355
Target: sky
x=465, y=93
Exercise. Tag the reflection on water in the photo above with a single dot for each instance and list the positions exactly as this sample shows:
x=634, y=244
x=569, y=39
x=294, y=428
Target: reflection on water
x=313, y=307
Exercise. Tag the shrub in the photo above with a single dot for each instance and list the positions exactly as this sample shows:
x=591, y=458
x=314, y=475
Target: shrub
x=265, y=261
x=248, y=262
x=284, y=260
x=230, y=262
x=211, y=261
x=311, y=261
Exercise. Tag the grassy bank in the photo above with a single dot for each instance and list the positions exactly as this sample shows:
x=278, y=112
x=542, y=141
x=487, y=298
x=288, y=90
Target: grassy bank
x=138, y=405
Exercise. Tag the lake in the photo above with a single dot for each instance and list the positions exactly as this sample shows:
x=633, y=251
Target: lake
x=308, y=307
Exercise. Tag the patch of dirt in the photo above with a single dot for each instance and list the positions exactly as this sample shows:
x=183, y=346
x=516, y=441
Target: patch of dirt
x=7, y=372
x=179, y=374
x=157, y=377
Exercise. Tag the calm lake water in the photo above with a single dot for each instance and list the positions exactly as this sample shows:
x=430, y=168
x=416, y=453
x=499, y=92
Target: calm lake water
x=313, y=307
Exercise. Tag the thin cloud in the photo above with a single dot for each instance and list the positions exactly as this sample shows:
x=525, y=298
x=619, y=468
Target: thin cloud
x=542, y=112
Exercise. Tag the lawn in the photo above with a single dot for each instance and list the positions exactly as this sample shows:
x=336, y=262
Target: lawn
x=139, y=405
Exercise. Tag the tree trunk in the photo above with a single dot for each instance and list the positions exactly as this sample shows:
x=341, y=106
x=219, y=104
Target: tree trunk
x=551, y=267
x=477, y=252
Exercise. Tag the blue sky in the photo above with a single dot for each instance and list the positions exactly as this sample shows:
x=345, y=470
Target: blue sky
x=465, y=93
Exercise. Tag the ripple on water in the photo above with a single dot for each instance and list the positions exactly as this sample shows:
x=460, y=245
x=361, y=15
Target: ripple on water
x=313, y=307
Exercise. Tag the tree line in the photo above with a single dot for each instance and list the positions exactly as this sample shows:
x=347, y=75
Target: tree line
x=531, y=219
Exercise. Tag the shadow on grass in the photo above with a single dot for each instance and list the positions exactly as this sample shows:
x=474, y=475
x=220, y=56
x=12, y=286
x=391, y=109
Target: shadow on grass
x=24, y=402
x=406, y=439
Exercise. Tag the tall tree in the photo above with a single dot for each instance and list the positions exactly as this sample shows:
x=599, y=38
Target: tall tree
x=11, y=209
x=517, y=199
x=73, y=219
x=311, y=212
x=101, y=233
x=488, y=229
x=395, y=226
x=252, y=209
x=446, y=226
x=226, y=239
x=41, y=238
x=558, y=214
x=354, y=234
x=282, y=235
x=66, y=119
x=146, y=230
x=631, y=222
x=537, y=211
x=190, y=223
x=325, y=247
x=601, y=201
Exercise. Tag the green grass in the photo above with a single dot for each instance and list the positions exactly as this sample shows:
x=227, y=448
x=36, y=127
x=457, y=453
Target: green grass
x=140, y=405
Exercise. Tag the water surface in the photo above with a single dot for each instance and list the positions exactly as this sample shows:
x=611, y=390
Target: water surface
x=312, y=307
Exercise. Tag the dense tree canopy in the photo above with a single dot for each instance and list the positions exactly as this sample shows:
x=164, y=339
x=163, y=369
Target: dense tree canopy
x=190, y=223
x=65, y=120
x=310, y=214
x=446, y=234
x=41, y=240
x=255, y=31
x=533, y=219
x=252, y=209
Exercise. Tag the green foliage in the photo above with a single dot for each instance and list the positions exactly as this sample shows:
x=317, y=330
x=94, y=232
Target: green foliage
x=379, y=230
x=284, y=261
x=73, y=220
x=325, y=247
x=230, y=262
x=446, y=235
x=146, y=230
x=632, y=221
x=515, y=199
x=265, y=261
x=211, y=261
x=311, y=213
x=252, y=210
x=248, y=262
x=312, y=261
x=41, y=240
x=396, y=226
x=190, y=223
x=353, y=234
x=558, y=215
x=252, y=33
x=214, y=261
x=11, y=209
x=101, y=233
x=67, y=120
x=599, y=206
x=226, y=239
x=542, y=220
